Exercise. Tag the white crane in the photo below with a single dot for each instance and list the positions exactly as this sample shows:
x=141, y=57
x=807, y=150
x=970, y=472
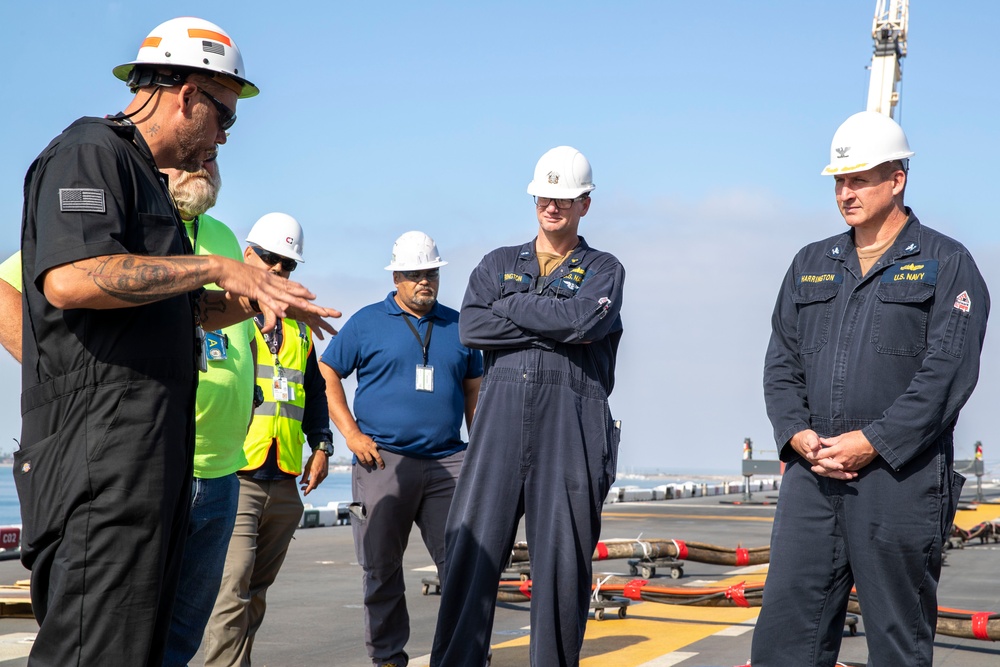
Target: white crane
x=889, y=34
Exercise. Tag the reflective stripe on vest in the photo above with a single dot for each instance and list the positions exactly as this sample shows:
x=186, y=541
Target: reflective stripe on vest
x=280, y=420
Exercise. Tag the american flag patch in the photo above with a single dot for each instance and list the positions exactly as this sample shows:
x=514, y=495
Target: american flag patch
x=81, y=200
x=213, y=47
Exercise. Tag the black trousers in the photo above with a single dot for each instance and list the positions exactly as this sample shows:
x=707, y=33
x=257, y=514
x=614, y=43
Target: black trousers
x=103, y=477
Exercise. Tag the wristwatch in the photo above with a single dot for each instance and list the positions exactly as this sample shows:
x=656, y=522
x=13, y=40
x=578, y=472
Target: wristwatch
x=325, y=447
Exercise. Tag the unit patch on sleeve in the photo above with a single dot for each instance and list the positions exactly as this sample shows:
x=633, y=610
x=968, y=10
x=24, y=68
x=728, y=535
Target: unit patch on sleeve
x=81, y=200
x=963, y=302
x=916, y=271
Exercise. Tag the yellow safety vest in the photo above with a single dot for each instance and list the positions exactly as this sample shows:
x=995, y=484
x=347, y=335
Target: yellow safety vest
x=275, y=420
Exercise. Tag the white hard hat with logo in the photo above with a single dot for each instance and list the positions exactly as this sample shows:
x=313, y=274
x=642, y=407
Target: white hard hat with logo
x=190, y=43
x=864, y=141
x=279, y=233
x=562, y=173
x=414, y=251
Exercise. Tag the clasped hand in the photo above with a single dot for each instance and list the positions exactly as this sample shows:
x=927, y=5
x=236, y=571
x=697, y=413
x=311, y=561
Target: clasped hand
x=840, y=457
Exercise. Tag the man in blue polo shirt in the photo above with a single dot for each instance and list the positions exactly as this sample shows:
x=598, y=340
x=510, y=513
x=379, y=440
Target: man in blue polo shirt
x=416, y=382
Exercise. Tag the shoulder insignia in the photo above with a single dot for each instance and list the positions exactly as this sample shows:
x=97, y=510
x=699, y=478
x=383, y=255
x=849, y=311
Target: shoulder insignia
x=963, y=302
x=81, y=200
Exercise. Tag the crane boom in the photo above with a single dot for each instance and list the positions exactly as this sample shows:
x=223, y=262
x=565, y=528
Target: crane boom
x=889, y=34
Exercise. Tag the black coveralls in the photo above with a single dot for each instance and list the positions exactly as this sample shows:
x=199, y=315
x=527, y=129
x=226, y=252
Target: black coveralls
x=894, y=354
x=543, y=446
x=104, y=469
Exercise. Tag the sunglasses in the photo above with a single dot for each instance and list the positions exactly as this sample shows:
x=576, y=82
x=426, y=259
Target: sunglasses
x=561, y=204
x=227, y=117
x=417, y=276
x=272, y=258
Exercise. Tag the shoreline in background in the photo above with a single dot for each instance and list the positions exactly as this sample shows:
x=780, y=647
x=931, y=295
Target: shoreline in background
x=337, y=486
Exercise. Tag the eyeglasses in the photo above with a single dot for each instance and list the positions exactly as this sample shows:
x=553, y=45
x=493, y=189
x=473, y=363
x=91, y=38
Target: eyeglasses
x=417, y=276
x=272, y=258
x=227, y=117
x=561, y=204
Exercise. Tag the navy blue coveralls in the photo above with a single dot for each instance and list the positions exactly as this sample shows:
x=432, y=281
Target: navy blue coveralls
x=894, y=354
x=543, y=446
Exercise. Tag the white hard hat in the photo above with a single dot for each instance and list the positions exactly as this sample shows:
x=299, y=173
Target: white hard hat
x=562, y=173
x=414, y=251
x=279, y=233
x=191, y=43
x=864, y=141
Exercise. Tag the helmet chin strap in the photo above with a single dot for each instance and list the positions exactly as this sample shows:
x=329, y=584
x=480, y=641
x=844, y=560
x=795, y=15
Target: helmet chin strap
x=140, y=78
x=122, y=116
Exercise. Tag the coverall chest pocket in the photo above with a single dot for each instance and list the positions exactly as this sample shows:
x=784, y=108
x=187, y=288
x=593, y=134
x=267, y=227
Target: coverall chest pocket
x=899, y=324
x=815, y=308
x=515, y=283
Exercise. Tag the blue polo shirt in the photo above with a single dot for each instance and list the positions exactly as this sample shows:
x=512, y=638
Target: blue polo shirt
x=378, y=344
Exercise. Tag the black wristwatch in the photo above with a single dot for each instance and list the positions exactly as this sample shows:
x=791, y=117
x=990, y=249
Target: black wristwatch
x=325, y=447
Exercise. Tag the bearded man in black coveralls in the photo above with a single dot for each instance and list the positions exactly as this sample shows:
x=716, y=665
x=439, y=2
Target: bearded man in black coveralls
x=112, y=298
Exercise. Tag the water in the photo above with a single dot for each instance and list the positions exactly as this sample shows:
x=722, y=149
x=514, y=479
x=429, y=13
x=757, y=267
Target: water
x=10, y=509
x=335, y=488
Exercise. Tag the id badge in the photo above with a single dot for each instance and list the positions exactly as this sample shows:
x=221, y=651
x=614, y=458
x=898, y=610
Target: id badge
x=282, y=392
x=215, y=346
x=199, y=341
x=425, y=378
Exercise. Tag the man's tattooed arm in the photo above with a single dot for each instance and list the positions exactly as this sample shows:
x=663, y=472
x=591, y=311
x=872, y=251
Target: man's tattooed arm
x=138, y=280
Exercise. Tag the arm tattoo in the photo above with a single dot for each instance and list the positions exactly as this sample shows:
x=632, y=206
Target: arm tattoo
x=211, y=301
x=138, y=280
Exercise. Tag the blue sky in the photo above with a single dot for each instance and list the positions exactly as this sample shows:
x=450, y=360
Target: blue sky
x=707, y=125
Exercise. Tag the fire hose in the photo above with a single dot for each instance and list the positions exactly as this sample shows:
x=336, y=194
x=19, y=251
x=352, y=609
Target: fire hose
x=698, y=552
x=951, y=622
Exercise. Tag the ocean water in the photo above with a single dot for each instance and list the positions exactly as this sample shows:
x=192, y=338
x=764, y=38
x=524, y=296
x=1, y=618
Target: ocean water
x=335, y=488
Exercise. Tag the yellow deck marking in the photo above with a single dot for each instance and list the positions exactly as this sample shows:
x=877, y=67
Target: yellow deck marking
x=652, y=634
x=985, y=512
x=649, y=631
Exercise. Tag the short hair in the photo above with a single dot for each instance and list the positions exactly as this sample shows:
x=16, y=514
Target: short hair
x=887, y=169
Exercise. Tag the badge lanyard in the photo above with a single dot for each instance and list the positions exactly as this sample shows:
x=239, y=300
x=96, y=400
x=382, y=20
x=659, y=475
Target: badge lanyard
x=214, y=344
x=425, y=373
x=279, y=383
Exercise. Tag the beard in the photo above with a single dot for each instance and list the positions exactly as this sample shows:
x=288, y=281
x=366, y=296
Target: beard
x=426, y=301
x=195, y=192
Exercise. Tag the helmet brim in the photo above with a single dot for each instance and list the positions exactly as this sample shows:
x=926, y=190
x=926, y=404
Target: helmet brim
x=418, y=267
x=556, y=192
x=247, y=89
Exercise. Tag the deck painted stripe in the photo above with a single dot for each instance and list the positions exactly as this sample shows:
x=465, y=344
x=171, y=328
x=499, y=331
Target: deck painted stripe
x=16, y=645
x=737, y=630
x=669, y=660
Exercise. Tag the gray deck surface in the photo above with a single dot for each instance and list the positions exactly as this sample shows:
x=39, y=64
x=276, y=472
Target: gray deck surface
x=315, y=617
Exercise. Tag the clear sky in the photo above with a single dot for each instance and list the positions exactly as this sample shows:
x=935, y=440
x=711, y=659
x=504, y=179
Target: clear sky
x=707, y=124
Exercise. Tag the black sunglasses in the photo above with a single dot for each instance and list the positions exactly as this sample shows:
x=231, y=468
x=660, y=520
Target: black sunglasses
x=272, y=258
x=227, y=117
